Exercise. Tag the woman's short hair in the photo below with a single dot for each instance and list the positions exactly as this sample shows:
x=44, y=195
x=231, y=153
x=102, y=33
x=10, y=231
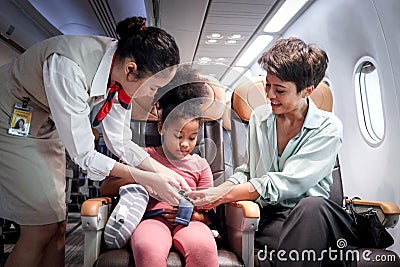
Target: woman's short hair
x=295, y=61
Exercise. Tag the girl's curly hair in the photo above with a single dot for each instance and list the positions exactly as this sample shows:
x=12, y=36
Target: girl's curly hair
x=183, y=94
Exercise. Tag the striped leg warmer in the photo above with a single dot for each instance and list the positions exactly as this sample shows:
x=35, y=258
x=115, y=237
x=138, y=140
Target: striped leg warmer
x=126, y=215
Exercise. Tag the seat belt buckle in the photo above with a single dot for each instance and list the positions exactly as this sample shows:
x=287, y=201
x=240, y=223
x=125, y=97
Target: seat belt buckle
x=185, y=210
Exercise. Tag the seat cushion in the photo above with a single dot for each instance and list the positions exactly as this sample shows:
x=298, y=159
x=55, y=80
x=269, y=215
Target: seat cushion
x=115, y=258
x=123, y=258
x=227, y=258
x=174, y=260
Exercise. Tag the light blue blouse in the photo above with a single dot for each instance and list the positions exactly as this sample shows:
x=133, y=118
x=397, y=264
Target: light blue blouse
x=305, y=166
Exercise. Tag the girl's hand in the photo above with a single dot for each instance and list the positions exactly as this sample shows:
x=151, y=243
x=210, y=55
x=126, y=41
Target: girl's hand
x=201, y=217
x=170, y=215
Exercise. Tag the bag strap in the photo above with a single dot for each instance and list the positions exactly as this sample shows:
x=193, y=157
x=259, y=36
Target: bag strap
x=215, y=220
x=352, y=209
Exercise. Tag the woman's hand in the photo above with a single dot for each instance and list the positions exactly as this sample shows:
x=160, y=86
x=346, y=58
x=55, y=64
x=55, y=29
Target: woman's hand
x=170, y=174
x=160, y=186
x=161, y=194
x=209, y=198
x=179, y=179
x=163, y=188
x=150, y=164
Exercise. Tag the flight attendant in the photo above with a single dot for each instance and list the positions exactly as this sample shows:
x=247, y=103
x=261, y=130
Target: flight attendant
x=54, y=86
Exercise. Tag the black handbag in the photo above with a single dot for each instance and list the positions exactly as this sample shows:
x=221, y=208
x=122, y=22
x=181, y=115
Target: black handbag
x=370, y=231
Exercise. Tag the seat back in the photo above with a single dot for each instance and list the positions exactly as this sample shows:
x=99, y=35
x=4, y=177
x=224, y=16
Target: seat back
x=245, y=98
x=226, y=124
x=323, y=99
x=251, y=94
x=336, y=194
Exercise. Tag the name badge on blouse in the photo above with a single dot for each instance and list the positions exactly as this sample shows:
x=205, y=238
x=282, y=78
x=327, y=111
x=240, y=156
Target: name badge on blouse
x=21, y=118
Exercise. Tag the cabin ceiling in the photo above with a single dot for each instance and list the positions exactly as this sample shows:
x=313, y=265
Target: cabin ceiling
x=229, y=17
x=189, y=21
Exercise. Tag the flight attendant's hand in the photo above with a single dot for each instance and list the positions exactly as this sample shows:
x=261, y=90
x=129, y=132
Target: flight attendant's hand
x=180, y=180
x=160, y=186
x=150, y=164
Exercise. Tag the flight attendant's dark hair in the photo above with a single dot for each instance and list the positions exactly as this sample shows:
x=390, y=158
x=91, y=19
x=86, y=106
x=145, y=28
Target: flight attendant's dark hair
x=152, y=48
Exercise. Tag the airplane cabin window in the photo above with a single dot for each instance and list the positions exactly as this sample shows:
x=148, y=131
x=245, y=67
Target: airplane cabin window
x=369, y=101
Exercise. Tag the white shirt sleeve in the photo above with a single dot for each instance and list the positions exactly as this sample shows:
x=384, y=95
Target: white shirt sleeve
x=118, y=135
x=66, y=92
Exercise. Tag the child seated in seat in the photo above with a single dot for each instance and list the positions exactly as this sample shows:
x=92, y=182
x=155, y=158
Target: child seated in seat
x=154, y=237
x=180, y=121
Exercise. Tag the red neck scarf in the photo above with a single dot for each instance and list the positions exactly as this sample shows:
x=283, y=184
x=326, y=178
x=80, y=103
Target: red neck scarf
x=123, y=99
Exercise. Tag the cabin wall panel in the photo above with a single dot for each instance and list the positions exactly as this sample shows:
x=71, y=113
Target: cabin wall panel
x=6, y=53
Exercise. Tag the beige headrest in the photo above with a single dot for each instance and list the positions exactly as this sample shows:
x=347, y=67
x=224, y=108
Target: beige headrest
x=322, y=97
x=213, y=108
x=251, y=94
x=247, y=96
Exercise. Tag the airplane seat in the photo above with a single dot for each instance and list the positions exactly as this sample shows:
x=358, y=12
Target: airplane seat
x=251, y=94
x=95, y=212
x=247, y=96
x=226, y=125
x=323, y=99
x=226, y=116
